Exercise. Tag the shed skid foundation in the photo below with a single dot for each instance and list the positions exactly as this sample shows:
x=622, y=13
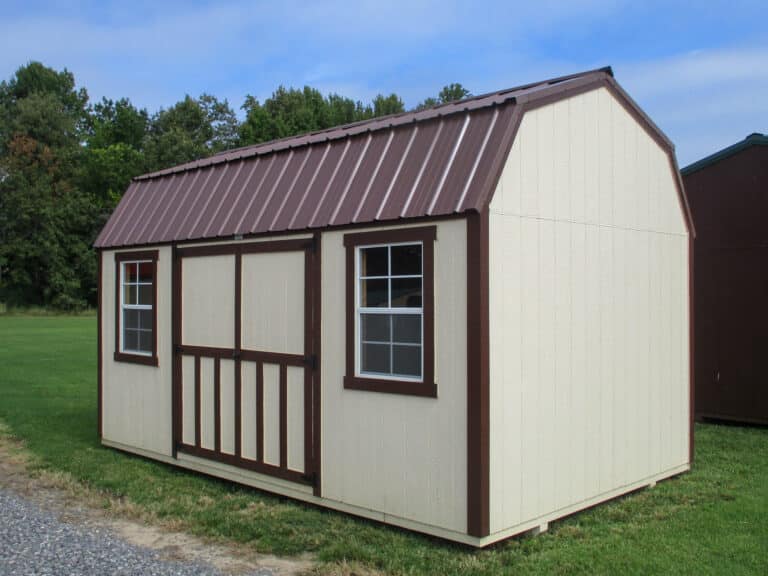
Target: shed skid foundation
x=276, y=486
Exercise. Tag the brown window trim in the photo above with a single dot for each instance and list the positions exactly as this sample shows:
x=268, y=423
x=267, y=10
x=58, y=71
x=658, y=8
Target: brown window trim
x=427, y=235
x=121, y=257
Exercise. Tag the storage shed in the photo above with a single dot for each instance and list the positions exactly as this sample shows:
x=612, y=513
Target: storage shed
x=728, y=195
x=466, y=321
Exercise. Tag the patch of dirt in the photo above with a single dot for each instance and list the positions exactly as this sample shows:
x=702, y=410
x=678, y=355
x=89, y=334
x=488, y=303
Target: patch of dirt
x=73, y=503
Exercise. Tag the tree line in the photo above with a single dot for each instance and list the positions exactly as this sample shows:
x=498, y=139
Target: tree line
x=65, y=162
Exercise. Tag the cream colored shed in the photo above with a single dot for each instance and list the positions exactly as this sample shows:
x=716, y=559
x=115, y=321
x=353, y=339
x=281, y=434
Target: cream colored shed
x=467, y=321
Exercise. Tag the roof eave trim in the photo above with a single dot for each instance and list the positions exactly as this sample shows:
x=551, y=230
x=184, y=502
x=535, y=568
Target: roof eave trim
x=726, y=152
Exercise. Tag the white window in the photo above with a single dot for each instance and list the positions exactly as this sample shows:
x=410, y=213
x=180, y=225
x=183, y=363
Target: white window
x=389, y=311
x=136, y=307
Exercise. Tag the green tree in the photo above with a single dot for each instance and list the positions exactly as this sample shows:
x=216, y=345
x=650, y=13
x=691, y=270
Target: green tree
x=384, y=105
x=117, y=122
x=46, y=223
x=449, y=93
x=114, y=153
x=342, y=110
x=192, y=128
x=453, y=92
x=287, y=112
x=290, y=111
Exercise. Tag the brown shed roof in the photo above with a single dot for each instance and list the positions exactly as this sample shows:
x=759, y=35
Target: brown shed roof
x=440, y=161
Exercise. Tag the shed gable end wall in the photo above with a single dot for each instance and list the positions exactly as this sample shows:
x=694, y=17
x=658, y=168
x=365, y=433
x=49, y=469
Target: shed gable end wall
x=589, y=338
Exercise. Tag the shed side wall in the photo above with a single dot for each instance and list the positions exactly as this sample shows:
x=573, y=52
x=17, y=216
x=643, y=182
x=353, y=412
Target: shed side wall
x=136, y=399
x=404, y=456
x=589, y=322
x=729, y=204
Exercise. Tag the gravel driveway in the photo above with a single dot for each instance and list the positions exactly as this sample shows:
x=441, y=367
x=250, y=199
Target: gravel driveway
x=35, y=541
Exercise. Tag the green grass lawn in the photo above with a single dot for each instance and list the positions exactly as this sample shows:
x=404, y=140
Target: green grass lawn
x=711, y=521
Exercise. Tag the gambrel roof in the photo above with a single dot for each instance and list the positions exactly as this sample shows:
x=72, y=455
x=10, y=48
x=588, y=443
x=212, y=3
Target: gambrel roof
x=436, y=162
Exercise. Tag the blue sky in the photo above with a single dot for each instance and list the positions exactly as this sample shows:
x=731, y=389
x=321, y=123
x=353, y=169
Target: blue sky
x=700, y=69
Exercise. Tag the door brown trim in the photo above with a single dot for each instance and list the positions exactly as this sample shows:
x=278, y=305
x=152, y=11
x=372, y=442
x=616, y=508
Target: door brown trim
x=176, y=391
x=198, y=406
x=238, y=346
x=232, y=460
x=293, y=245
x=308, y=360
x=284, y=417
x=478, y=377
x=260, y=411
x=317, y=287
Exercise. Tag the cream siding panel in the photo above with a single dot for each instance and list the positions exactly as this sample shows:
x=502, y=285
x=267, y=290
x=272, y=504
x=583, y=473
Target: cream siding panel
x=605, y=154
x=563, y=395
x=589, y=136
x=273, y=302
x=227, y=386
x=589, y=313
x=576, y=163
x=576, y=340
x=137, y=399
x=208, y=305
x=529, y=398
x=545, y=163
x=249, y=416
x=592, y=303
x=188, y=399
x=207, y=428
x=617, y=129
x=561, y=160
x=272, y=414
x=296, y=418
x=527, y=143
x=546, y=351
x=403, y=456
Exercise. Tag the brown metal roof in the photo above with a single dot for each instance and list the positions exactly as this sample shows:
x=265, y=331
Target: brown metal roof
x=440, y=161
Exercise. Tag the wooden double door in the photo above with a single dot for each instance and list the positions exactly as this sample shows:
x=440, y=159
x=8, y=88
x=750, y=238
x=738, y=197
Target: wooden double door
x=246, y=347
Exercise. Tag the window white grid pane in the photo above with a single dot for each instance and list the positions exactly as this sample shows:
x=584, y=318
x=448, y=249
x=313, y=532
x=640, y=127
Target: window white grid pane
x=389, y=311
x=137, y=295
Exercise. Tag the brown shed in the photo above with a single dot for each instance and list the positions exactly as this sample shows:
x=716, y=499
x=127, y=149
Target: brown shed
x=467, y=321
x=728, y=195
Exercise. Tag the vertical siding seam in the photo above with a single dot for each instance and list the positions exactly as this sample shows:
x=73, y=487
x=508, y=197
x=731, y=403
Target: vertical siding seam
x=351, y=179
x=372, y=179
x=309, y=186
x=330, y=183
x=449, y=165
x=480, y=154
x=397, y=172
x=423, y=167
